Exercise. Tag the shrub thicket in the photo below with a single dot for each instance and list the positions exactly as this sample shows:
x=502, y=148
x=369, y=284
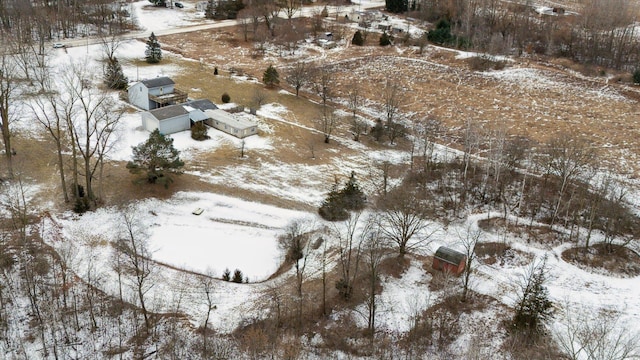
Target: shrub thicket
x=199, y=131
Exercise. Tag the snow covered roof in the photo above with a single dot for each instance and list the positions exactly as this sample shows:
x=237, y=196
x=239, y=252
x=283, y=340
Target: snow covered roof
x=157, y=82
x=226, y=118
x=169, y=112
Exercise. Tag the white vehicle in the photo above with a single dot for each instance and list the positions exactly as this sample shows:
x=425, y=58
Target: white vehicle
x=58, y=45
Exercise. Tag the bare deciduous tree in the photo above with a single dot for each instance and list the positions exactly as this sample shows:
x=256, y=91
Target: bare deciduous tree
x=327, y=122
x=295, y=242
x=581, y=335
x=9, y=80
x=298, y=76
x=137, y=265
x=568, y=158
x=403, y=220
x=350, y=237
x=469, y=240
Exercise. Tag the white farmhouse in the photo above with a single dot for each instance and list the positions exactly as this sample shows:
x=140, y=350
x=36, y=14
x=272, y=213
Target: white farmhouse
x=155, y=93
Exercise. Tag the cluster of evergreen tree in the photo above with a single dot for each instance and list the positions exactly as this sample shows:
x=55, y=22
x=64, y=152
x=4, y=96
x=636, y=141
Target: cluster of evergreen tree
x=224, y=9
x=338, y=203
x=397, y=6
x=442, y=35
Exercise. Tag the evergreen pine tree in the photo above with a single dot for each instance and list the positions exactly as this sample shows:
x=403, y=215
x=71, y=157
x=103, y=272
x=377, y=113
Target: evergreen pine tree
x=385, y=39
x=351, y=196
x=237, y=276
x=533, y=307
x=114, y=77
x=157, y=157
x=271, y=77
x=153, y=53
x=332, y=208
x=636, y=76
x=357, y=39
x=226, y=275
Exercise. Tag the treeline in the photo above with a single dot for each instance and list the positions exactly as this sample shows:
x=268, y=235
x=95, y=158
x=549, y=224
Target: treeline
x=40, y=21
x=600, y=33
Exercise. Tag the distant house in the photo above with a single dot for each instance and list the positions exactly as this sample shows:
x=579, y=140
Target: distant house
x=449, y=260
x=233, y=125
x=172, y=119
x=202, y=6
x=155, y=93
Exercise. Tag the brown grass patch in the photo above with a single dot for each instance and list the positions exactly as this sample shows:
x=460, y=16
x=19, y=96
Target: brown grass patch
x=539, y=234
x=621, y=262
x=502, y=254
x=394, y=266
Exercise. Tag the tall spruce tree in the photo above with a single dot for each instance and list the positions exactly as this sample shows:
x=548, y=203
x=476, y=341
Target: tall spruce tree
x=351, y=196
x=153, y=53
x=533, y=307
x=158, y=158
x=114, y=77
x=271, y=77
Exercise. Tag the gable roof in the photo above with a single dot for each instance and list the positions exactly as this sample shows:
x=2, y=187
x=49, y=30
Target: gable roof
x=202, y=104
x=157, y=82
x=168, y=112
x=449, y=255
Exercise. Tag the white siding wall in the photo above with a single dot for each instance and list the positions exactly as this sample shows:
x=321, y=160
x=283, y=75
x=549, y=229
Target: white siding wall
x=174, y=125
x=167, y=89
x=149, y=122
x=139, y=96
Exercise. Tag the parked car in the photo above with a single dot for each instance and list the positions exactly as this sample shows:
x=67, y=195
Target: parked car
x=58, y=46
x=178, y=5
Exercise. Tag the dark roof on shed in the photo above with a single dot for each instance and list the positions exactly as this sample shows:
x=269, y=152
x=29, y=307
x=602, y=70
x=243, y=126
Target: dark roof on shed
x=202, y=104
x=169, y=112
x=157, y=82
x=449, y=255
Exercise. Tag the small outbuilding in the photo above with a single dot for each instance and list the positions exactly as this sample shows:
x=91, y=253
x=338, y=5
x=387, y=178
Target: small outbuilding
x=449, y=260
x=172, y=119
x=233, y=125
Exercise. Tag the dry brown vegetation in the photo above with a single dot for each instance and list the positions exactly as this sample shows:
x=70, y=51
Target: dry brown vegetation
x=533, y=98
x=621, y=262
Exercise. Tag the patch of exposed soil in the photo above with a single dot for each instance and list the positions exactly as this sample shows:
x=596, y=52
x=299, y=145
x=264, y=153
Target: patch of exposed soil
x=616, y=261
x=535, y=233
x=502, y=254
